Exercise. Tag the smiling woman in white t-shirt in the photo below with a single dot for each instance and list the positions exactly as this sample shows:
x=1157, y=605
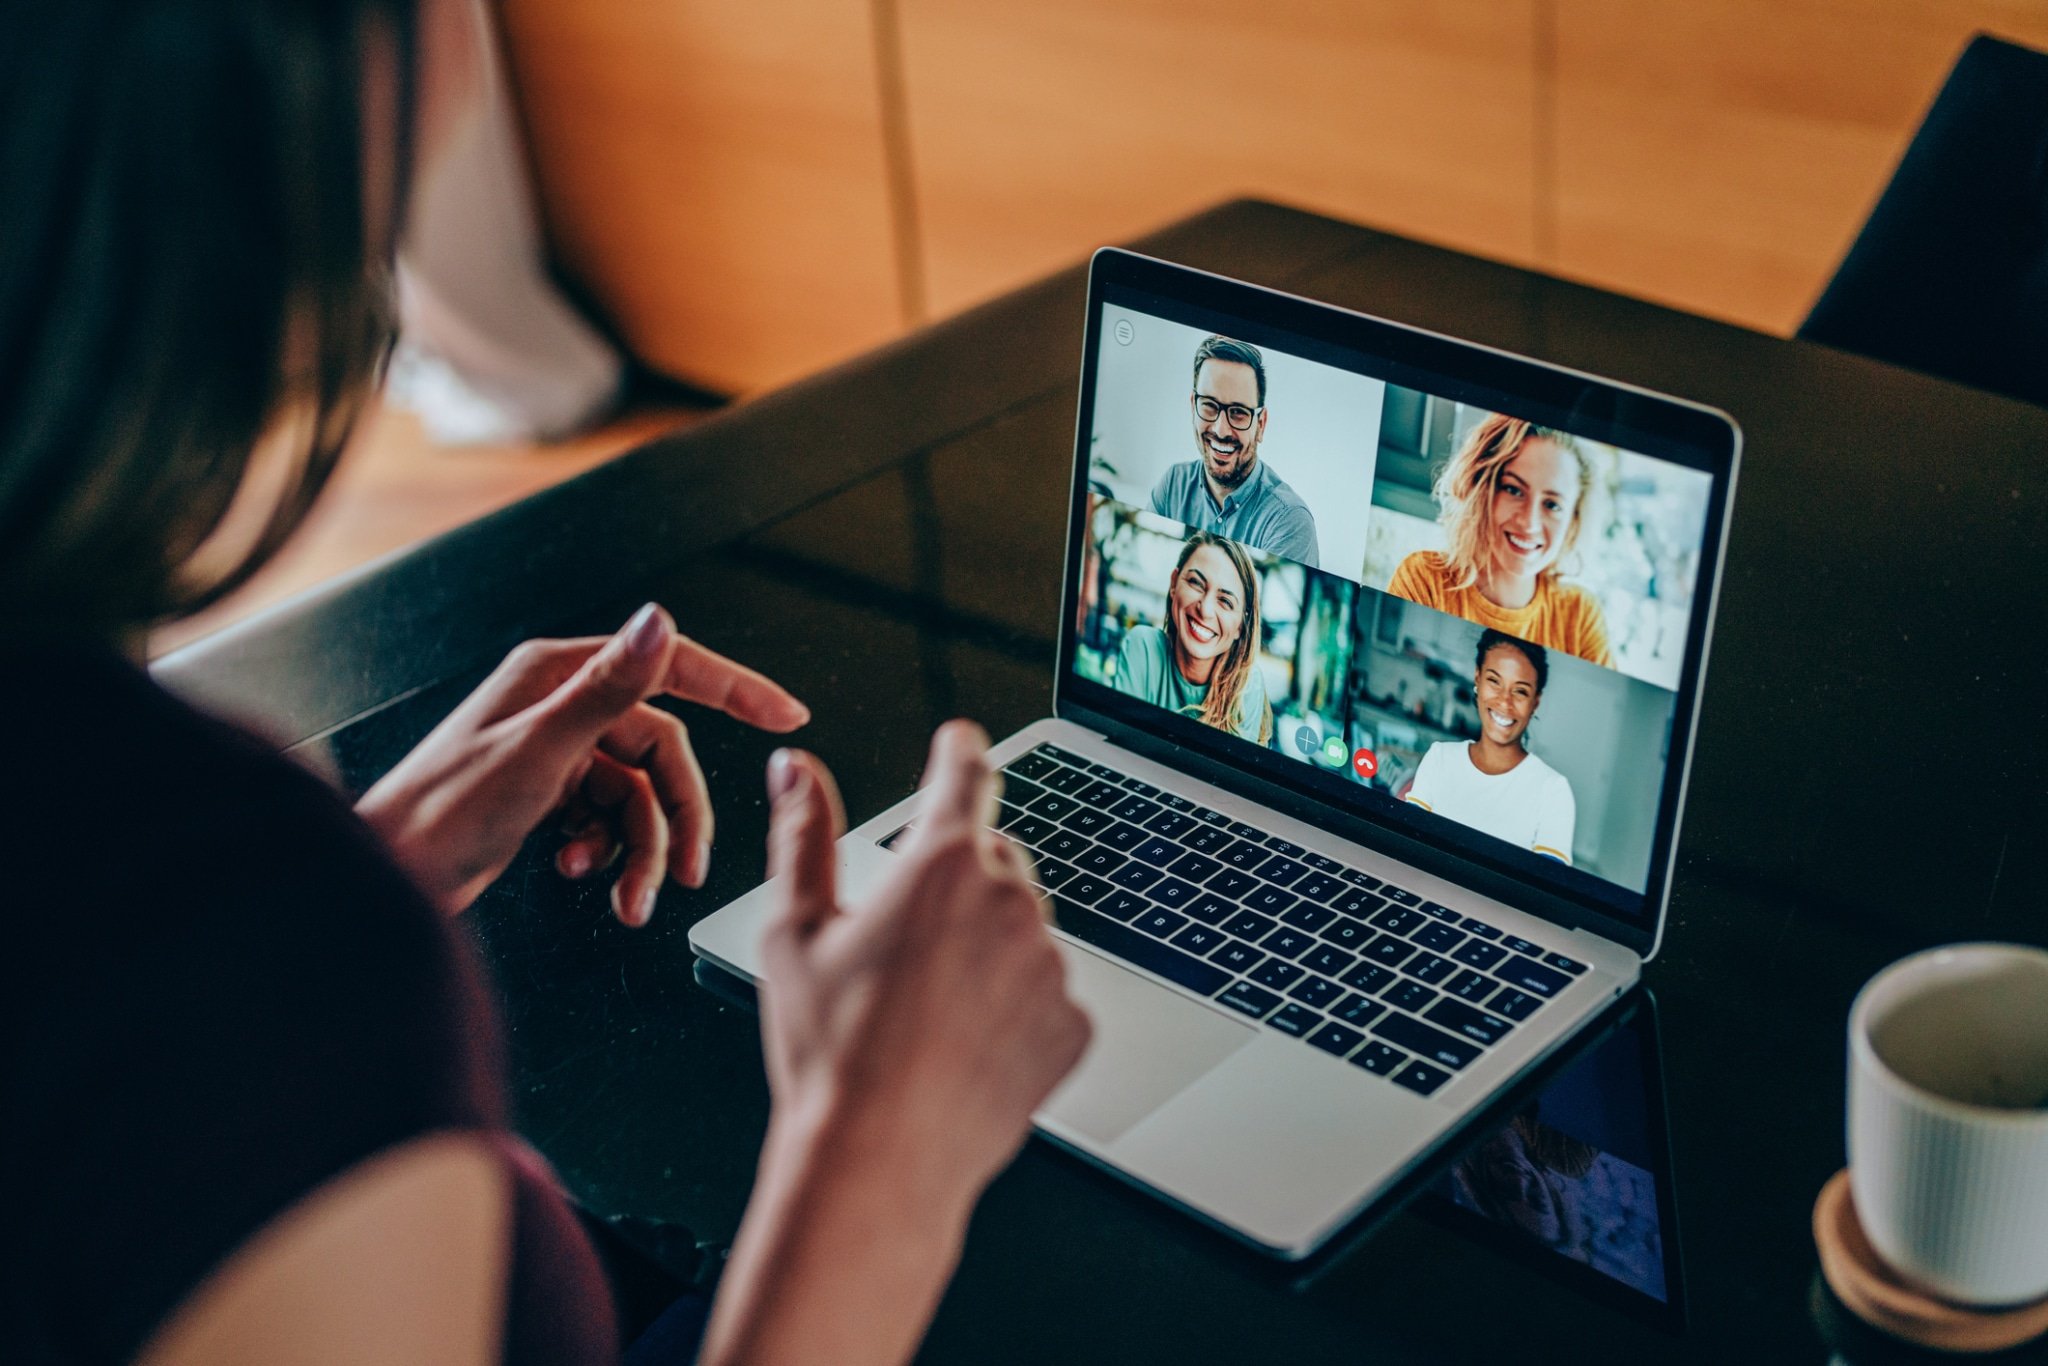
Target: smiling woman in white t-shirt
x=1494, y=783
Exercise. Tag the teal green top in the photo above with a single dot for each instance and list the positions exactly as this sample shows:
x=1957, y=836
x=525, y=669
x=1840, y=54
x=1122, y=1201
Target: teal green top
x=1145, y=670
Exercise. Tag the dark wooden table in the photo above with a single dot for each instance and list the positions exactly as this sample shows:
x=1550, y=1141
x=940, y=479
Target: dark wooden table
x=886, y=537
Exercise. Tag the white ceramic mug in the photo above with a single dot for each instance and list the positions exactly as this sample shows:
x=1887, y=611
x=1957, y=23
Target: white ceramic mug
x=1948, y=1120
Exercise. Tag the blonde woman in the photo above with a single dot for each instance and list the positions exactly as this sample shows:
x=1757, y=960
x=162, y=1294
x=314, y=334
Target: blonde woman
x=1511, y=502
x=1204, y=663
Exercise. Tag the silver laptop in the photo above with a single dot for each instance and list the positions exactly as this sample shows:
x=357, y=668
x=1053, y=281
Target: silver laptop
x=1379, y=666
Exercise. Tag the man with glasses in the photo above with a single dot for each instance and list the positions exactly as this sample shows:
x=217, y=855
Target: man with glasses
x=1227, y=489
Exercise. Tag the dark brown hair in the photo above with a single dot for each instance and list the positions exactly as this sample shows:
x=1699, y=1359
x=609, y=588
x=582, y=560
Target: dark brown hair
x=189, y=275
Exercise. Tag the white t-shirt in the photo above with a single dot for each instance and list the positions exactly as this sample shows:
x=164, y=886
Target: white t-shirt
x=1530, y=806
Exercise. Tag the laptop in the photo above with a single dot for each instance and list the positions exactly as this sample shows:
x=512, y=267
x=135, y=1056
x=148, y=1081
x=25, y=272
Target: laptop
x=1380, y=658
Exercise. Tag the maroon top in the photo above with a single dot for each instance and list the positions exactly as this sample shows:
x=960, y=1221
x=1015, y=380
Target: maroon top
x=217, y=993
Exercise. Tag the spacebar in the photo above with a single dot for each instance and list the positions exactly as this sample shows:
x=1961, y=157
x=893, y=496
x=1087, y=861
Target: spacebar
x=1128, y=944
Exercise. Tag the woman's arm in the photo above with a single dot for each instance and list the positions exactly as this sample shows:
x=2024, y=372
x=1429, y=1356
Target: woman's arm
x=401, y=1258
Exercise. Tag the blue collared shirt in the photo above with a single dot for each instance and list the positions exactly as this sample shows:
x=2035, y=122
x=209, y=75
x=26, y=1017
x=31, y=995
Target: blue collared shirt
x=1262, y=512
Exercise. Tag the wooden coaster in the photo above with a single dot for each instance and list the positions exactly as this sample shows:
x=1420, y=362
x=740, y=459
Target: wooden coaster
x=1874, y=1293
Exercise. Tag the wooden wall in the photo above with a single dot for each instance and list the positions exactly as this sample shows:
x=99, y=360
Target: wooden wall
x=751, y=189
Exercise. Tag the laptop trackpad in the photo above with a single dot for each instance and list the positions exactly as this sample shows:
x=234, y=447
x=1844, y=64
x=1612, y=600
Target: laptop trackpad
x=1149, y=1046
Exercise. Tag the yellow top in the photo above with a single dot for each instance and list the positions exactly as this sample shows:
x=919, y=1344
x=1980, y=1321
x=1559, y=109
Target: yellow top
x=1561, y=616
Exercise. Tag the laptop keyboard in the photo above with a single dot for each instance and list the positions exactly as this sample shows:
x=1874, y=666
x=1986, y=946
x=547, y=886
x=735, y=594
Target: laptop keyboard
x=1372, y=973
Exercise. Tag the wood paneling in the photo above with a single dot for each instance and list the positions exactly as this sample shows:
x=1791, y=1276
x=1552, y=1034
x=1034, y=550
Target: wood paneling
x=1720, y=155
x=712, y=173
x=1038, y=132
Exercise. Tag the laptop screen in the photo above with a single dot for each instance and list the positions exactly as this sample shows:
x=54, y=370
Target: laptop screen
x=1466, y=617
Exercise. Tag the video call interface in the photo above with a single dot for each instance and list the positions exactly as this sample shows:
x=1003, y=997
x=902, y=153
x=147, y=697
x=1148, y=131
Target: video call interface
x=1464, y=612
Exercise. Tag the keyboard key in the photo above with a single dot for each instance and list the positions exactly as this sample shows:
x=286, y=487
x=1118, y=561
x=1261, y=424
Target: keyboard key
x=1173, y=893
x=1067, y=780
x=1393, y=893
x=1366, y=977
x=1286, y=942
x=1032, y=766
x=1122, y=905
x=1176, y=801
x=1357, y=1011
x=1328, y=959
x=1249, y=925
x=1309, y=916
x=1478, y=1025
x=1086, y=821
x=1052, y=873
x=1515, y=1005
x=1194, y=867
x=1278, y=845
x=1357, y=903
x=1052, y=806
x=1346, y=933
x=1100, y=794
x=1163, y=924
x=1121, y=941
x=1006, y=813
x=1100, y=861
x=1158, y=851
x=1135, y=876
x=1208, y=817
x=1143, y=789
x=1210, y=908
x=1420, y=1038
x=1478, y=927
x=1389, y=950
x=1564, y=964
x=1319, y=887
x=1248, y=832
x=1442, y=938
x=1231, y=883
x=1321, y=864
x=1276, y=973
x=1199, y=940
x=1052, y=751
x=1135, y=809
x=1065, y=844
x=1336, y=1038
x=1106, y=773
x=1440, y=911
x=1030, y=830
x=1531, y=976
x=1244, y=855
x=1207, y=839
x=1319, y=992
x=1523, y=946
x=1122, y=836
x=1171, y=824
x=1421, y=1078
x=1480, y=954
x=1295, y=1020
x=1281, y=871
x=1427, y=967
x=1269, y=900
x=1358, y=879
x=1236, y=956
x=1378, y=1057
x=1251, y=1000
x=1412, y=997
x=1397, y=919
x=1086, y=889
x=1470, y=986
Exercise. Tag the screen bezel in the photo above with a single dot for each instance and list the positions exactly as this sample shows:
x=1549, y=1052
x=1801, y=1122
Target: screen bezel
x=1688, y=434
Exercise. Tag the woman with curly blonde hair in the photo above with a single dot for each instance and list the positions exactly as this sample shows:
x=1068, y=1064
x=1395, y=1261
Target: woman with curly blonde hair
x=1511, y=503
x=1204, y=664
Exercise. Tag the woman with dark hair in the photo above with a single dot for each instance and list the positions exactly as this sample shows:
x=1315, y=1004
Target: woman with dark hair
x=1205, y=663
x=1494, y=783
x=250, y=1077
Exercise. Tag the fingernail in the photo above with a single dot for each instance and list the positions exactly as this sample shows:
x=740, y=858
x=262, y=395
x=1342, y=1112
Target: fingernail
x=646, y=632
x=576, y=861
x=700, y=863
x=644, y=911
x=781, y=774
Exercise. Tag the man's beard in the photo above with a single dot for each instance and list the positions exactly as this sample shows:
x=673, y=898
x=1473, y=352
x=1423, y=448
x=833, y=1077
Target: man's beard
x=1239, y=472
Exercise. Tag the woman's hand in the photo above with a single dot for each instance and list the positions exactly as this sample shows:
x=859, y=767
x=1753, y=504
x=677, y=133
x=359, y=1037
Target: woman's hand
x=564, y=727
x=909, y=1038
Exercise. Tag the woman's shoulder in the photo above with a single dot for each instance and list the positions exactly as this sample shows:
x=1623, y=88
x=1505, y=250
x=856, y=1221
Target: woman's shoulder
x=1423, y=576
